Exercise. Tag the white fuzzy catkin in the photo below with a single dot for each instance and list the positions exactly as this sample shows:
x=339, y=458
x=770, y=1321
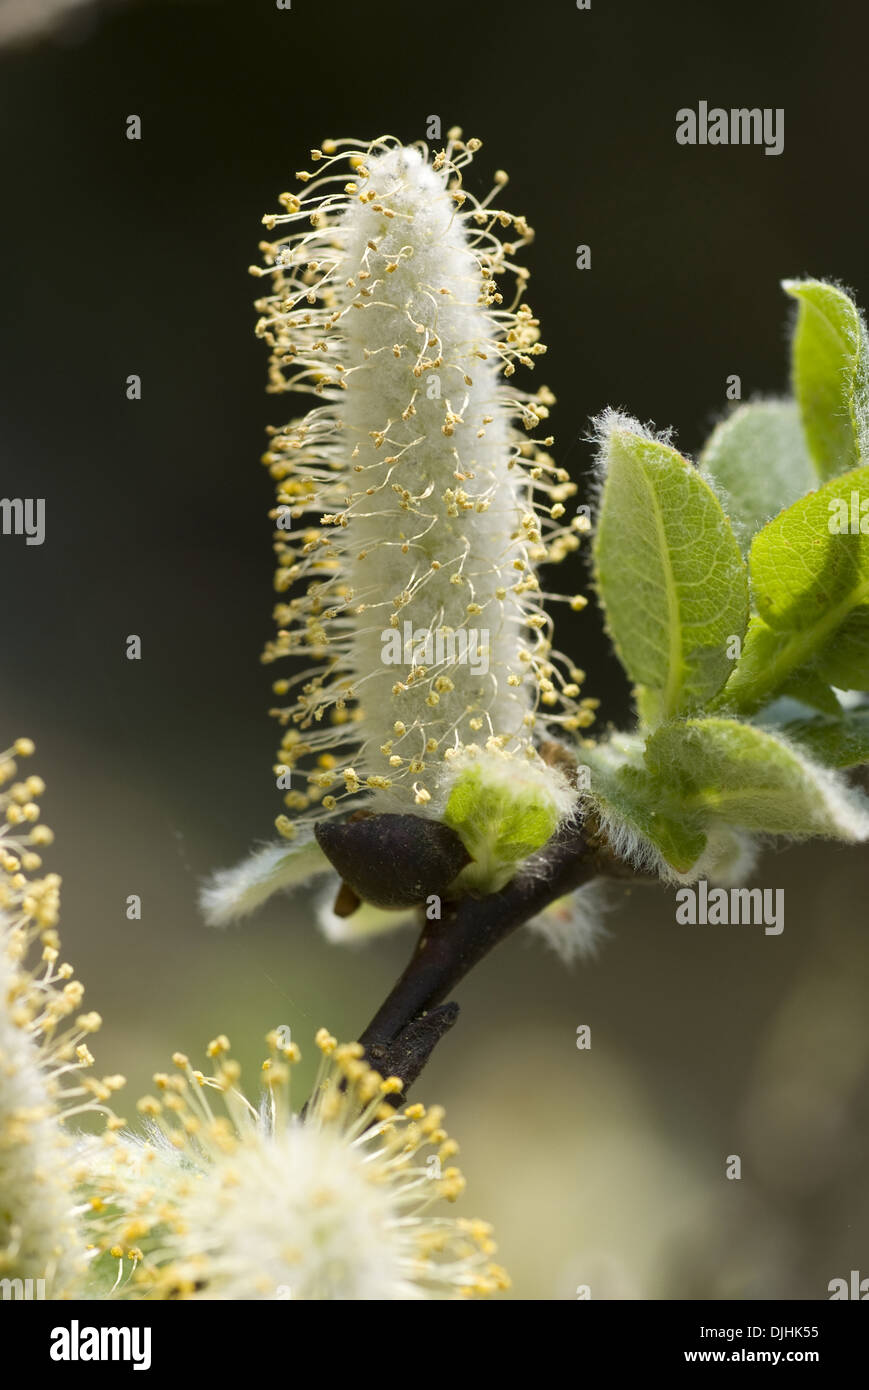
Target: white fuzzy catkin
x=44, y=1059
x=407, y=496
x=227, y=1201
x=38, y=1237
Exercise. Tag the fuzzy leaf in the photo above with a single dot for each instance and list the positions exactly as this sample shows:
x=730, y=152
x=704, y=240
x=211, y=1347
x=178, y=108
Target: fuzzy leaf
x=831, y=375
x=500, y=821
x=842, y=742
x=746, y=776
x=811, y=589
x=629, y=802
x=650, y=827
x=807, y=687
x=800, y=568
x=234, y=893
x=757, y=458
x=845, y=660
x=669, y=571
x=636, y=798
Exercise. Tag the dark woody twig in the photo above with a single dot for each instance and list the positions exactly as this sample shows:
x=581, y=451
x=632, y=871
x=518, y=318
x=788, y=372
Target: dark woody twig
x=412, y=1019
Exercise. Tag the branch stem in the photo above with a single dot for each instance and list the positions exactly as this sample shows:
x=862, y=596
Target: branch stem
x=398, y=1036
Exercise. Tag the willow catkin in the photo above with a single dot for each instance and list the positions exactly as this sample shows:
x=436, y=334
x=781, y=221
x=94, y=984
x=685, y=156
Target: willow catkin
x=415, y=501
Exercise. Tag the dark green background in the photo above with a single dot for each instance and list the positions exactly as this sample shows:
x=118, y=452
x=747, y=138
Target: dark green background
x=605, y=1167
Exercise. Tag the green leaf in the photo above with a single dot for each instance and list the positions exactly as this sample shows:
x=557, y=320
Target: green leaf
x=807, y=687
x=757, y=458
x=523, y=825
x=669, y=571
x=637, y=800
x=503, y=812
x=831, y=375
x=845, y=660
x=725, y=770
x=811, y=590
x=650, y=828
x=842, y=742
x=629, y=803
x=762, y=671
x=801, y=566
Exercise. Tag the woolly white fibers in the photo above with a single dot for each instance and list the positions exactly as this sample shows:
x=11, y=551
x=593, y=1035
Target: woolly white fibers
x=409, y=505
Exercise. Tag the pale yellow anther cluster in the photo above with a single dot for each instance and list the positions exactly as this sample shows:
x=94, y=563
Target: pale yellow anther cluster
x=45, y=1060
x=237, y=1201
